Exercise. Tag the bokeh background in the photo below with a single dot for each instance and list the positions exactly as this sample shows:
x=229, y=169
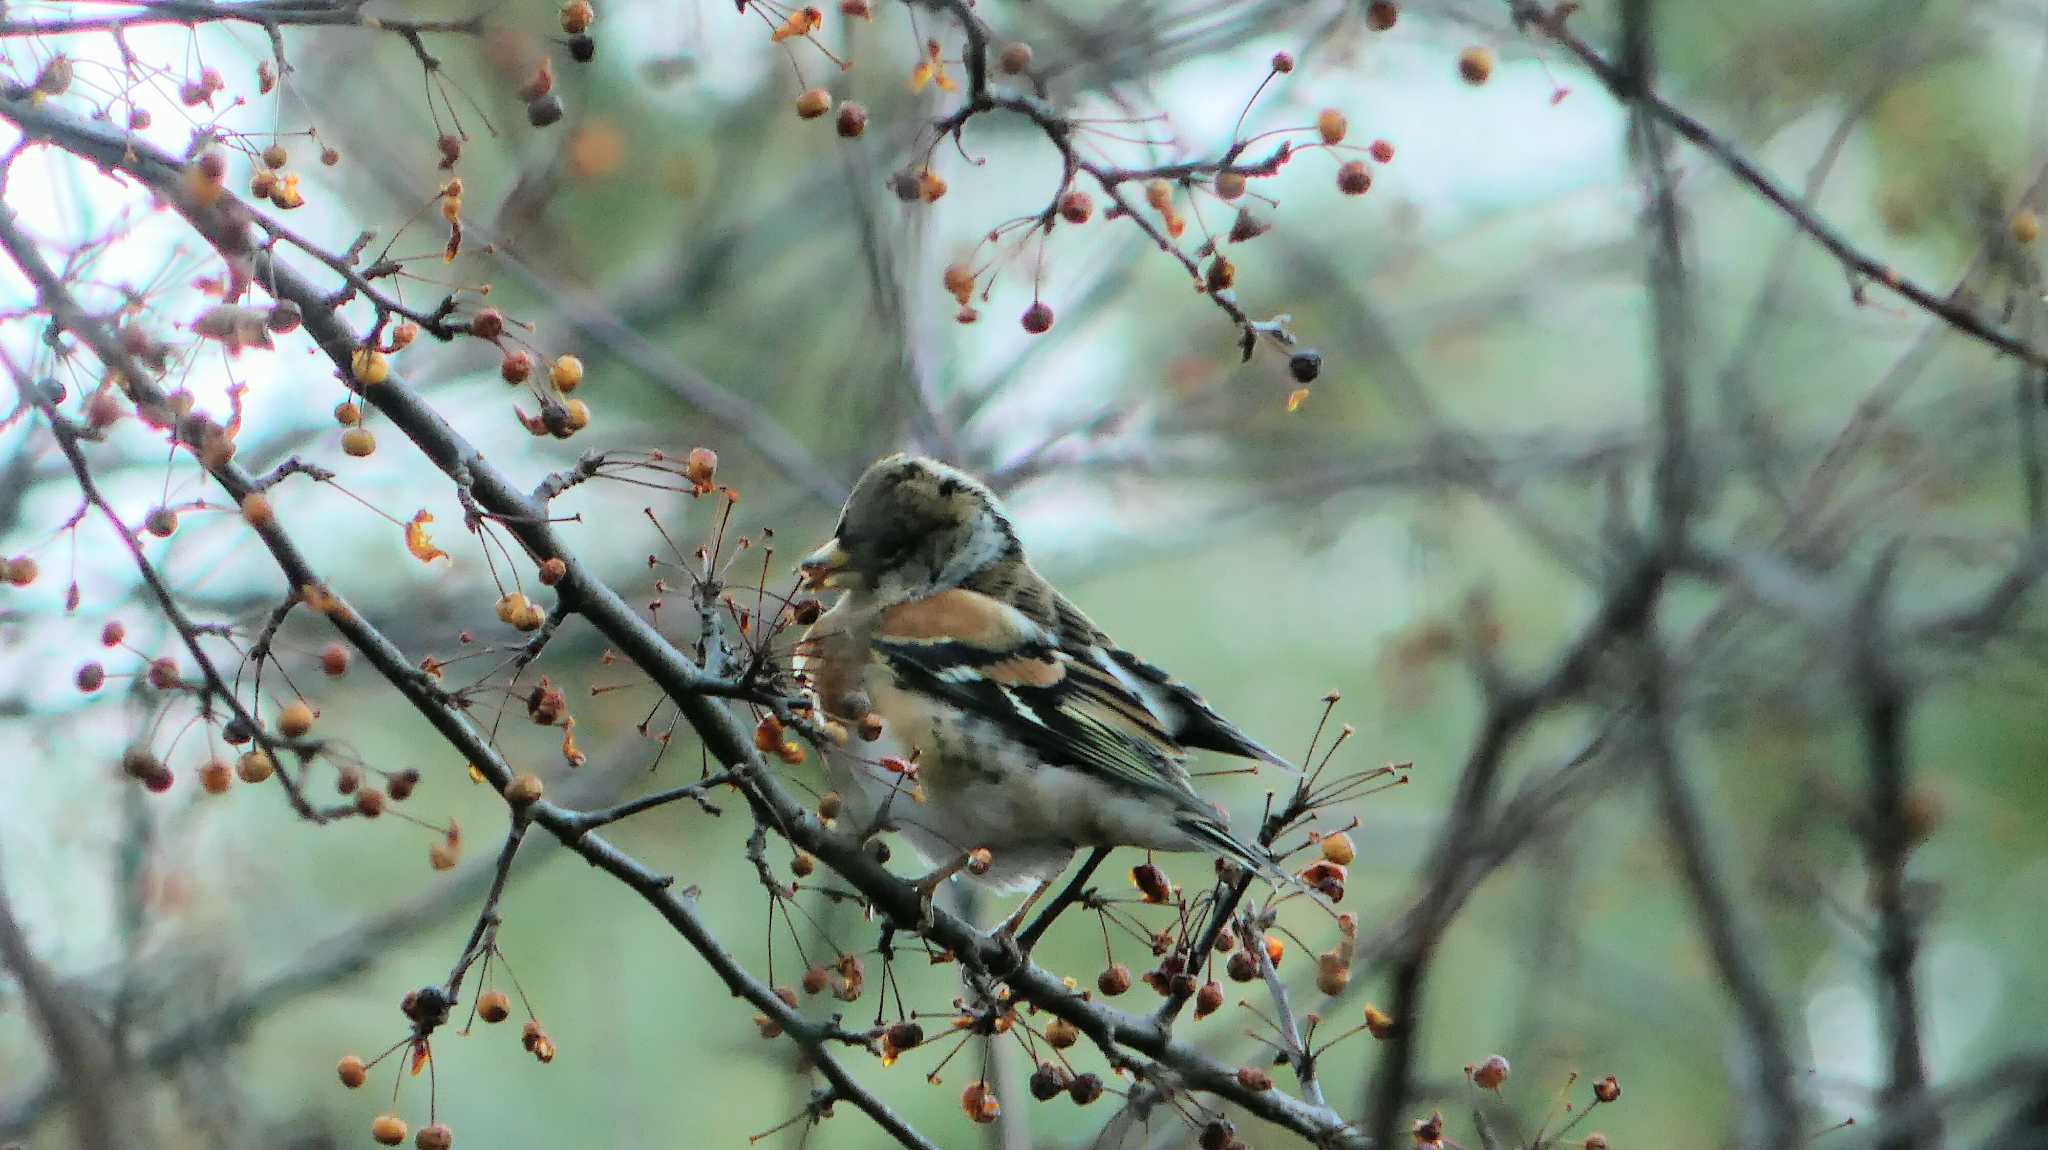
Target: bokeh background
x=736, y=278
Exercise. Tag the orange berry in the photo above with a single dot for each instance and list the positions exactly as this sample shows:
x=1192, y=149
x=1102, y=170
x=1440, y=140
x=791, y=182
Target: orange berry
x=334, y=660
x=1061, y=1034
x=493, y=1006
x=22, y=570
x=358, y=442
x=1254, y=1079
x=1337, y=848
x=369, y=367
x=347, y=414
x=979, y=1102
x=2026, y=226
x=566, y=373
x=1354, y=178
x=1382, y=151
x=576, y=17
x=1331, y=125
x=215, y=777
x=1209, y=999
x=352, y=1071
x=813, y=103
x=369, y=802
x=1475, y=64
x=1377, y=1022
x=1380, y=15
x=295, y=719
x=515, y=367
x=553, y=571
x=487, y=323
x=255, y=766
x=388, y=1129
x=1076, y=206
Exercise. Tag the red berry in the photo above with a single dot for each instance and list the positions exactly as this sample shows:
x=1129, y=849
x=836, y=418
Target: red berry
x=1038, y=318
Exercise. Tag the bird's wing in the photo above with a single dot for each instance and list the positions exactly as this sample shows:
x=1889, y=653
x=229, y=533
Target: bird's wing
x=992, y=661
x=1178, y=710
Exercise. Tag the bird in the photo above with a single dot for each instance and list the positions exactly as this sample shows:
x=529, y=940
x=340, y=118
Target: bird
x=1029, y=732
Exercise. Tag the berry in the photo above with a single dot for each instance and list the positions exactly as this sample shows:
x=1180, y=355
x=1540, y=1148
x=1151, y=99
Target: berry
x=544, y=111
x=369, y=802
x=388, y=1129
x=369, y=367
x=1282, y=63
x=1475, y=64
x=90, y=676
x=1114, y=981
x=1061, y=1034
x=163, y=674
x=979, y=1102
x=1305, y=365
x=2026, y=226
x=576, y=17
x=1490, y=1074
x=1337, y=848
x=255, y=766
x=295, y=719
x=352, y=1071
x=435, y=1137
x=1209, y=999
x=487, y=323
x=1607, y=1089
x=1037, y=318
x=1331, y=125
x=275, y=156
x=334, y=660
x=1380, y=15
x=515, y=367
x=215, y=777
x=400, y=785
x=1015, y=58
x=1354, y=178
x=813, y=103
x=582, y=49
x=566, y=373
x=358, y=442
x=1382, y=151
x=1086, y=1088
x=553, y=571
x=852, y=121
x=701, y=465
x=1049, y=1081
x=21, y=570
x=524, y=789
x=1254, y=1079
x=493, y=1006
x=1076, y=206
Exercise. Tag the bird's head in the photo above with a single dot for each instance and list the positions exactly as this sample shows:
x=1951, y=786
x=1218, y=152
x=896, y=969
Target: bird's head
x=912, y=527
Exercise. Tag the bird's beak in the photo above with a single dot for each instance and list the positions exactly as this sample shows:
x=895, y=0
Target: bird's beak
x=820, y=566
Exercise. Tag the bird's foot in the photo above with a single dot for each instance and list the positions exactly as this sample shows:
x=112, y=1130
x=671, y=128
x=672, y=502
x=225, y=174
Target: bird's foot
x=928, y=890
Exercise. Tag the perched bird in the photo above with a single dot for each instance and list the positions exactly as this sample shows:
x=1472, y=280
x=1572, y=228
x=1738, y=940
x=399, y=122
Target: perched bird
x=1031, y=733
